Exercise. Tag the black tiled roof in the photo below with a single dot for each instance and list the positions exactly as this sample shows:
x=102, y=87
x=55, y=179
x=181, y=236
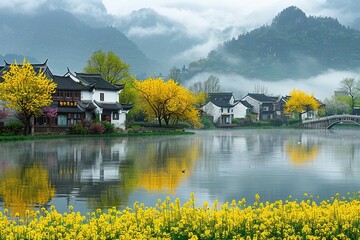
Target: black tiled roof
x=220, y=96
x=69, y=110
x=114, y=106
x=262, y=97
x=127, y=106
x=246, y=104
x=37, y=67
x=220, y=99
x=1, y=73
x=87, y=104
x=1, y=70
x=98, y=80
x=66, y=83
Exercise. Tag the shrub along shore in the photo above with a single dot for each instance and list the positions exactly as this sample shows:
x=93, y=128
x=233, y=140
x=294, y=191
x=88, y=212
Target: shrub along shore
x=336, y=218
x=104, y=135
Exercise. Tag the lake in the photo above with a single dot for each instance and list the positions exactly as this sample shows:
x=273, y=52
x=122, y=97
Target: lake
x=91, y=173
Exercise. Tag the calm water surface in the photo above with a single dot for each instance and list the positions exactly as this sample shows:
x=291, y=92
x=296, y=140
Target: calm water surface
x=91, y=173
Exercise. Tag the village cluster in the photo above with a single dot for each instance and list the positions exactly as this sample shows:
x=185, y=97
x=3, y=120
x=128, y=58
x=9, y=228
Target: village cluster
x=82, y=97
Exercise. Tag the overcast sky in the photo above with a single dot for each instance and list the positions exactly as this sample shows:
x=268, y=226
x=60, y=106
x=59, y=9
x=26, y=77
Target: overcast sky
x=200, y=12
x=200, y=16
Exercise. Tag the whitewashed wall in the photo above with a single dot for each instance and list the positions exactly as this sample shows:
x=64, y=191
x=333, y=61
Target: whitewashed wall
x=212, y=110
x=240, y=110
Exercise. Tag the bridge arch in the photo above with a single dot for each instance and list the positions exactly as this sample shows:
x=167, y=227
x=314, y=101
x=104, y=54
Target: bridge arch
x=330, y=121
x=340, y=122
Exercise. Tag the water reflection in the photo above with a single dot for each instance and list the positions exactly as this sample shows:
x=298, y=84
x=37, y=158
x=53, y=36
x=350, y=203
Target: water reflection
x=102, y=172
x=220, y=164
x=302, y=151
x=166, y=165
x=23, y=188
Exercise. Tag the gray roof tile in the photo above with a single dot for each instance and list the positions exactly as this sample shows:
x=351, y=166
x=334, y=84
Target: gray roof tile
x=66, y=83
x=98, y=80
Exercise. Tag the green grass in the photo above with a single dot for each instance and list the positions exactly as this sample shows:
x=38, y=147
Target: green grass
x=113, y=135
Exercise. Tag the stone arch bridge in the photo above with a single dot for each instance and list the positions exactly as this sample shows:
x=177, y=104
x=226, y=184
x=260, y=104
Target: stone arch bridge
x=330, y=121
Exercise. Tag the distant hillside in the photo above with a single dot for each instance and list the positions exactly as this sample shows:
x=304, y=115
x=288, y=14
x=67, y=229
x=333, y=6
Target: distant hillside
x=293, y=46
x=157, y=36
x=65, y=41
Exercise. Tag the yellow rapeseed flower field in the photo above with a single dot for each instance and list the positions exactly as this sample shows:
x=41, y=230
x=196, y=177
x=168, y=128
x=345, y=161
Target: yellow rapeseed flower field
x=336, y=218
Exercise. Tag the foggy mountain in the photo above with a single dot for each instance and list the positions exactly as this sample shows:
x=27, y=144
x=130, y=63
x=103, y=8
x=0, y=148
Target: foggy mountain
x=151, y=43
x=65, y=41
x=292, y=46
x=157, y=36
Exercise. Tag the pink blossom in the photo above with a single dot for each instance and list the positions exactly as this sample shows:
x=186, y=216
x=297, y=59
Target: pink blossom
x=51, y=112
x=3, y=114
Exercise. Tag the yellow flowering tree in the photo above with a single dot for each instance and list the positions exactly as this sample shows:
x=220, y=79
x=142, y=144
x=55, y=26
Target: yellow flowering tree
x=200, y=98
x=301, y=102
x=167, y=101
x=26, y=91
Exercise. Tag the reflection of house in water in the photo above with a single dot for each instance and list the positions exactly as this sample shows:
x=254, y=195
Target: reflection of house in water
x=92, y=163
x=254, y=145
x=76, y=167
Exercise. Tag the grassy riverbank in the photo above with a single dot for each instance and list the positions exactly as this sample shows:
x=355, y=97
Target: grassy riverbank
x=336, y=218
x=112, y=135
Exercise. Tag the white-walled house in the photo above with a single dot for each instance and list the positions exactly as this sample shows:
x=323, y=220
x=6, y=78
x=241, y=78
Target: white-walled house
x=104, y=96
x=264, y=107
x=223, y=108
x=81, y=97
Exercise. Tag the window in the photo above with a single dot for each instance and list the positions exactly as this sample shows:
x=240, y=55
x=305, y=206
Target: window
x=42, y=120
x=77, y=95
x=73, y=118
x=62, y=120
x=101, y=96
x=115, y=115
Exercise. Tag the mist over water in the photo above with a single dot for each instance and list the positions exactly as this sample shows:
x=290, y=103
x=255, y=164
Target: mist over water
x=323, y=85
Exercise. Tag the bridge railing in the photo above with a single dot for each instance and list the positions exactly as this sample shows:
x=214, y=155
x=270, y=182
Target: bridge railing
x=333, y=117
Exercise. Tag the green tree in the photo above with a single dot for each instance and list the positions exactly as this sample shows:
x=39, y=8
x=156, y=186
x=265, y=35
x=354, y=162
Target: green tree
x=129, y=95
x=352, y=88
x=26, y=91
x=109, y=65
x=337, y=105
x=113, y=70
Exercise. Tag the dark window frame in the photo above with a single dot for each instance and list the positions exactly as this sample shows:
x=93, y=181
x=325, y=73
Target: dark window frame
x=116, y=116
